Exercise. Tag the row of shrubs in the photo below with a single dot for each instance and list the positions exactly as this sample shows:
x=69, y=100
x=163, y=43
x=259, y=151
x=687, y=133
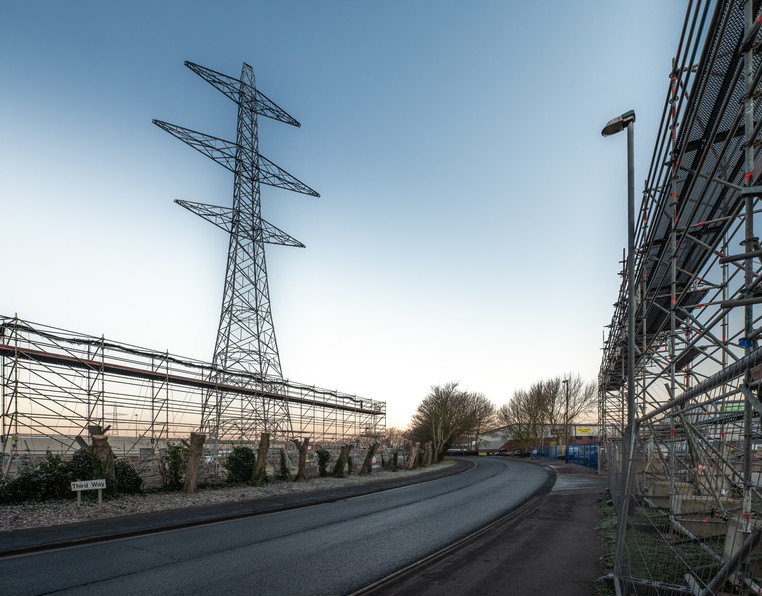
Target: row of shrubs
x=52, y=478
x=240, y=465
x=242, y=460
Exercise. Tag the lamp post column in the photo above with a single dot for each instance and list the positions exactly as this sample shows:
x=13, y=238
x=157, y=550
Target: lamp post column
x=630, y=277
x=566, y=424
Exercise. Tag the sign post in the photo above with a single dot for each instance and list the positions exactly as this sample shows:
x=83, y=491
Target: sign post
x=80, y=485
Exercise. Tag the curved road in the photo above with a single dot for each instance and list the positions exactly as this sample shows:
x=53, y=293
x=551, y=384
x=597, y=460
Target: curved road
x=334, y=548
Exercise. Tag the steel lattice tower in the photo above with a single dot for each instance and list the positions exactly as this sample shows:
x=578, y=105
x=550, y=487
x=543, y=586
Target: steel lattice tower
x=246, y=335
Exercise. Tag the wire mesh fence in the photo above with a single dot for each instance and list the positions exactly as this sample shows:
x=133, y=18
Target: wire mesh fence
x=690, y=523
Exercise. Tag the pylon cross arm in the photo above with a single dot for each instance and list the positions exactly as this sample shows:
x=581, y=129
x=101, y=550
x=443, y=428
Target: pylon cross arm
x=220, y=150
x=224, y=153
x=232, y=88
x=223, y=218
x=273, y=235
x=276, y=176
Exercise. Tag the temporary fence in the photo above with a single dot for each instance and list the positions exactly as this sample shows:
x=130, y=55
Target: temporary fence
x=545, y=452
x=583, y=455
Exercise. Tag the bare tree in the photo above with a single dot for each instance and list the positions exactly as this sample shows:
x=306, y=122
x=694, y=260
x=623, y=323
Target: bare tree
x=522, y=416
x=548, y=395
x=582, y=397
x=562, y=404
x=447, y=415
x=397, y=438
x=544, y=405
x=484, y=414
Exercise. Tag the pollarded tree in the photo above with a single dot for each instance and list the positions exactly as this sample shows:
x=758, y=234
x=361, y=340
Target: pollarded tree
x=301, y=446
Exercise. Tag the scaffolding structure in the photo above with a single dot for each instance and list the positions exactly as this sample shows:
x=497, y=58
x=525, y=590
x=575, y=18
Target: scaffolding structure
x=55, y=383
x=688, y=487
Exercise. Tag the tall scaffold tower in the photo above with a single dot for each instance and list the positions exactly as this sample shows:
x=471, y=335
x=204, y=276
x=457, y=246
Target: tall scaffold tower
x=246, y=335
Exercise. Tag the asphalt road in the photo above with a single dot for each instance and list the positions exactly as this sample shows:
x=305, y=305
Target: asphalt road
x=334, y=548
x=549, y=546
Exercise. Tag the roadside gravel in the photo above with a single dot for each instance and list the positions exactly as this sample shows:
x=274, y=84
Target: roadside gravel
x=55, y=513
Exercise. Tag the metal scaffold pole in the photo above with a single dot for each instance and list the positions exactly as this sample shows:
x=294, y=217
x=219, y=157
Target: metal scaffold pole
x=153, y=397
x=691, y=523
x=749, y=245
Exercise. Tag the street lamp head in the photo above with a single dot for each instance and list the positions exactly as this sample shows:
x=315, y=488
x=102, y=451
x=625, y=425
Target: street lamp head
x=618, y=124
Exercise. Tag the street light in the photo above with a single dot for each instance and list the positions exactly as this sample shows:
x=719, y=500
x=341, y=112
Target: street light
x=614, y=126
x=566, y=426
x=618, y=124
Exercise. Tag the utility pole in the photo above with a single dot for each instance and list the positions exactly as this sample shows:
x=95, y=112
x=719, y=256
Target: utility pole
x=246, y=334
x=566, y=423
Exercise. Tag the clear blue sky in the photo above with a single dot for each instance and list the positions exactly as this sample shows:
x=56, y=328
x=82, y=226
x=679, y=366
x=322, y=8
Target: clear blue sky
x=471, y=220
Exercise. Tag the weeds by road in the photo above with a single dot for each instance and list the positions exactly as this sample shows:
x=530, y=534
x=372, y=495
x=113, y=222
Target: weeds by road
x=607, y=532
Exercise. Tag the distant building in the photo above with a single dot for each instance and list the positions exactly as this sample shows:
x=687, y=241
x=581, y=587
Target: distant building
x=504, y=438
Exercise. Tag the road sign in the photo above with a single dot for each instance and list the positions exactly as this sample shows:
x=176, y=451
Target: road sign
x=88, y=484
x=79, y=485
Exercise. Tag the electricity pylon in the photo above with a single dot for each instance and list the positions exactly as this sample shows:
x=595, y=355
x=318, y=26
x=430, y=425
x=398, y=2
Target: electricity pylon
x=246, y=334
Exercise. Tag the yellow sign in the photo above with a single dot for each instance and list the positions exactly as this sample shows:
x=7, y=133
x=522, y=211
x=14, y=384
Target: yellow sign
x=583, y=430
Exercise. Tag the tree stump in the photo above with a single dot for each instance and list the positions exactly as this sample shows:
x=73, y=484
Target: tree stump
x=195, y=450
x=302, y=448
x=260, y=468
x=103, y=452
x=367, y=465
x=338, y=469
x=427, y=454
x=413, y=456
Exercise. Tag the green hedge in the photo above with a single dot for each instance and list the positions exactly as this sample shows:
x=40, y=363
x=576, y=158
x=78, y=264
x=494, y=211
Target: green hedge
x=52, y=478
x=240, y=465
